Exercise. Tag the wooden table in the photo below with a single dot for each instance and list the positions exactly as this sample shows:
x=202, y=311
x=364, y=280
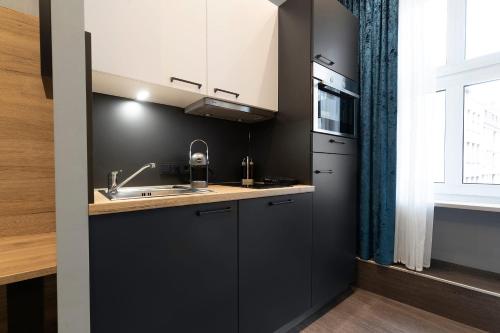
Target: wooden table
x=27, y=257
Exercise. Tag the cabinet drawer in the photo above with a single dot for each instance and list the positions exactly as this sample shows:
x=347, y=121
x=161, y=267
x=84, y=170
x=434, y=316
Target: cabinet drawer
x=324, y=143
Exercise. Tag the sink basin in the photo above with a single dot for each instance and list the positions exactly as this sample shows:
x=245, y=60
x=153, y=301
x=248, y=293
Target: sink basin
x=152, y=191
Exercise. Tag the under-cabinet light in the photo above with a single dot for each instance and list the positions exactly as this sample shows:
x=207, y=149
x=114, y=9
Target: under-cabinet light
x=142, y=95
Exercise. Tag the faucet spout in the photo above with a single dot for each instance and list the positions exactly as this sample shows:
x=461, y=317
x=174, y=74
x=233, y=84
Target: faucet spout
x=114, y=188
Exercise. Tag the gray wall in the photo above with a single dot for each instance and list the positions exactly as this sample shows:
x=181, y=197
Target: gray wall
x=468, y=238
x=128, y=134
x=70, y=132
x=23, y=6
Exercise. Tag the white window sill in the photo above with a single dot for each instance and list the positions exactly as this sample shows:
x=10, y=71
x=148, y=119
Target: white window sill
x=485, y=204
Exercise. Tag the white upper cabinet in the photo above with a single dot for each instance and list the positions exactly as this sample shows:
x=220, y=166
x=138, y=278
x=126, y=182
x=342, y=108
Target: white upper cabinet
x=126, y=38
x=182, y=50
x=184, y=44
x=242, y=48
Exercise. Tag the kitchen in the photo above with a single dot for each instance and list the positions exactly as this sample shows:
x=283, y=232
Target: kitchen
x=215, y=164
x=260, y=233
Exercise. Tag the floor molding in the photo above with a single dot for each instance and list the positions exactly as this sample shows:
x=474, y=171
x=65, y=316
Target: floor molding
x=463, y=303
x=436, y=278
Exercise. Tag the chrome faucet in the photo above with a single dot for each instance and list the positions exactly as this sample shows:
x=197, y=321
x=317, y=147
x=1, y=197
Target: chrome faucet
x=113, y=175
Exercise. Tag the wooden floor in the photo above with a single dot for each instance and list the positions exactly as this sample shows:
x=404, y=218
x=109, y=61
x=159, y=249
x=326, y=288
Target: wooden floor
x=366, y=312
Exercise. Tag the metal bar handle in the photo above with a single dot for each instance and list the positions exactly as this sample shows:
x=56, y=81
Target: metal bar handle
x=215, y=211
x=227, y=92
x=324, y=59
x=277, y=203
x=173, y=78
x=328, y=89
x=323, y=171
x=335, y=141
x=191, y=149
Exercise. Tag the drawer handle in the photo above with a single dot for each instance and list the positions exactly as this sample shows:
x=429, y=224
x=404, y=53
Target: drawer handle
x=173, y=78
x=323, y=171
x=227, y=92
x=335, y=141
x=277, y=203
x=215, y=211
x=324, y=59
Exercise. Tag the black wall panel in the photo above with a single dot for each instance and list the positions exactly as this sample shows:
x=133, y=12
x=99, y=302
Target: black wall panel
x=128, y=134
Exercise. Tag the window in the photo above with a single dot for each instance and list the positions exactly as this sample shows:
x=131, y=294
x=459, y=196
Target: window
x=469, y=85
x=481, y=133
x=482, y=24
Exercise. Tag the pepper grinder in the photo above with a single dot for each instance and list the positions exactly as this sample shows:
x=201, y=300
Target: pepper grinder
x=247, y=171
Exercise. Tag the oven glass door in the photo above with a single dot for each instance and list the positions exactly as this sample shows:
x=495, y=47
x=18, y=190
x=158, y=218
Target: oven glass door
x=335, y=111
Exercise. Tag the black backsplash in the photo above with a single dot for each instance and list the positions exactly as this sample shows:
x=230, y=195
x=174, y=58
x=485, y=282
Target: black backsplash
x=128, y=134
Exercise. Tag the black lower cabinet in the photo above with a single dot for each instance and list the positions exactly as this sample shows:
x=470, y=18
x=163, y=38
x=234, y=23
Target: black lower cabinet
x=334, y=225
x=165, y=270
x=275, y=242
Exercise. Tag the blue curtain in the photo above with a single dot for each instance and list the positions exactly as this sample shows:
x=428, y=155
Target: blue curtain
x=378, y=111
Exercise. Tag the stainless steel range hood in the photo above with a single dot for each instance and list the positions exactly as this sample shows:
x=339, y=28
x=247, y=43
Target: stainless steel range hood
x=215, y=108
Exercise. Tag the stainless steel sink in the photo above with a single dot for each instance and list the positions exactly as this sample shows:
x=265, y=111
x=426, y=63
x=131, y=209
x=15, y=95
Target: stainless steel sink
x=152, y=191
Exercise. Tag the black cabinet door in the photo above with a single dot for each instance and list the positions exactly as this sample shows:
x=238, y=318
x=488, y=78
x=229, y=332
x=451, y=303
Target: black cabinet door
x=274, y=261
x=165, y=270
x=335, y=38
x=334, y=225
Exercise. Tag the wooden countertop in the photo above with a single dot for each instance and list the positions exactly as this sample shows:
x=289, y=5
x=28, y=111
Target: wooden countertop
x=103, y=205
x=27, y=257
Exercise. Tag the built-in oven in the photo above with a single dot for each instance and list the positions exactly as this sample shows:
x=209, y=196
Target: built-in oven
x=335, y=103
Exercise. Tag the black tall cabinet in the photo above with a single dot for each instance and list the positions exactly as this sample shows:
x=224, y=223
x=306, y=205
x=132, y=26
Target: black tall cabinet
x=334, y=218
x=323, y=32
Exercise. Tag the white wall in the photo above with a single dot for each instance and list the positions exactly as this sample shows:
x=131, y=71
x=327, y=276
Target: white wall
x=68, y=47
x=24, y=6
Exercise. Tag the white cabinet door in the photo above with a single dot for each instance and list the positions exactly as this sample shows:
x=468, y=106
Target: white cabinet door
x=126, y=37
x=184, y=42
x=150, y=40
x=242, y=48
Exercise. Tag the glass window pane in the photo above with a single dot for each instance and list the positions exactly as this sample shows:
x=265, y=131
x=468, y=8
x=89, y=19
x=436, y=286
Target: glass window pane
x=482, y=26
x=482, y=133
x=439, y=8
x=438, y=104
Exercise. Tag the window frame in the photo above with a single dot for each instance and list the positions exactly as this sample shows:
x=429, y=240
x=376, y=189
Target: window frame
x=453, y=77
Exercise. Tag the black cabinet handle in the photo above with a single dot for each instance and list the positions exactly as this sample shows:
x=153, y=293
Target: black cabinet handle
x=215, y=211
x=277, y=203
x=227, y=92
x=335, y=141
x=323, y=171
x=324, y=59
x=172, y=79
